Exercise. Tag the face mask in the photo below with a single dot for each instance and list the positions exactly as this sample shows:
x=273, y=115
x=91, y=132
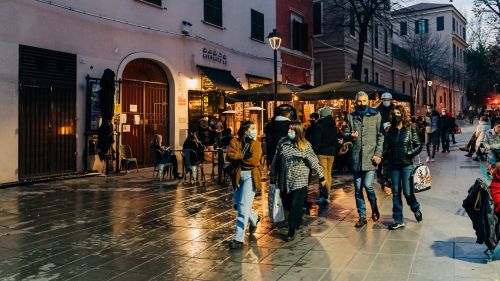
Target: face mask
x=396, y=119
x=429, y=110
x=361, y=107
x=291, y=135
x=252, y=134
x=386, y=103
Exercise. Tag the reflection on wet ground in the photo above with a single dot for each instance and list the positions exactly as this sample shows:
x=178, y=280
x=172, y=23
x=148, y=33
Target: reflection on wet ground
x=130, y=227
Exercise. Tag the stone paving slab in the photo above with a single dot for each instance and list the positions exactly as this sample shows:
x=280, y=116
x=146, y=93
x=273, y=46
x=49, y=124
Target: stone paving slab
x=131, y=227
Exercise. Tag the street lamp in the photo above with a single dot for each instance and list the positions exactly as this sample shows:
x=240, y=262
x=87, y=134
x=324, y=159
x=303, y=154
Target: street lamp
x=275, y=42
x=429, y=84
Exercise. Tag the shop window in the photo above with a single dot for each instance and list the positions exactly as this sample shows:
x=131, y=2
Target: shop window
x=213, y=12
x=257, y=25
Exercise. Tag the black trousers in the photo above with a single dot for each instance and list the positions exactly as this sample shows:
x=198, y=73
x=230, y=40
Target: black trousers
x=295, y=202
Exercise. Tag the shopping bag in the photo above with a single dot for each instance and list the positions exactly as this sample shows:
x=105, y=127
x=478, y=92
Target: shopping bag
x=458, y=130
x=276, y=211
x=420, y=178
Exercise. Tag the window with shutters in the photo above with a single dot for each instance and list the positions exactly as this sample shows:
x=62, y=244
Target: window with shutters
x=318, y=18
x=439, y=23
x=366, y=75
x=463, y=33
x=386, y=41
x=213, y=12
x=375, y=35
x=403, y=28
x=298, y=33
x=352, y=23
x=421, y=26
x=257, y=25
x=453, y=24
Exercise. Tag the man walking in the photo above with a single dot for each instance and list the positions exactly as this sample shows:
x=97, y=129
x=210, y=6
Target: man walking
x=275, y=130
x=445, y=128
x=364, y=131
x=431, y=124
x=325, y=145
x=385, y=110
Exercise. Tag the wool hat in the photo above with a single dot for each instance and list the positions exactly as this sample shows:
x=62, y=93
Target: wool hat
x=325, y=111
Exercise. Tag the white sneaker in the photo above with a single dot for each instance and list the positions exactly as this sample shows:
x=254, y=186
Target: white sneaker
x=432, y=160
x=427, y=160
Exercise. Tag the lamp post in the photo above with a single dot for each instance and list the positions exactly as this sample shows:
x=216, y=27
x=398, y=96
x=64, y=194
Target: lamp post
x=275, y=42
x=429, y=90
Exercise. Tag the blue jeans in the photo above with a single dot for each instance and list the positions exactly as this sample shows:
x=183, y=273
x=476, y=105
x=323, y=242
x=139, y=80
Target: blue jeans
x=243, y=199
x=400, y=176
x=364, y=179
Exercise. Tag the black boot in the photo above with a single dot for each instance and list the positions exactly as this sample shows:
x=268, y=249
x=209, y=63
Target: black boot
x=375, y=212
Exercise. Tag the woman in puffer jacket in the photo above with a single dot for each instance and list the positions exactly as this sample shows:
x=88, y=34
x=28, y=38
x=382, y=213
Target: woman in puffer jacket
x=401, y=145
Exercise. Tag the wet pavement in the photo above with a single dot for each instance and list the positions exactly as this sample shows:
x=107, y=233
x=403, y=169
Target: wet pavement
x=130, y=227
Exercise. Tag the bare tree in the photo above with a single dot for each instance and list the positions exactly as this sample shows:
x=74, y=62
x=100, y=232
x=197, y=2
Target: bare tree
x=491, y=6
x=425, y=55
x=489, y=10
x=360, y=15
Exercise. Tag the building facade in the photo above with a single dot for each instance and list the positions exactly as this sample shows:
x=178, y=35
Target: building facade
x=444, y=25
x=173, y=61
x=336, y=45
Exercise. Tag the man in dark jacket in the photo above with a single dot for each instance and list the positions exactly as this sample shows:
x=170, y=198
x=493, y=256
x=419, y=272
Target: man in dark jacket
x=313, y=118
x=385, y=109
x=325, y=145
x=445, y=128
x=275, y=130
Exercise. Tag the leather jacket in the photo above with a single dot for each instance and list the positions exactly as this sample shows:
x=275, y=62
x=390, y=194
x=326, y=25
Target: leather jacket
x=402, y=145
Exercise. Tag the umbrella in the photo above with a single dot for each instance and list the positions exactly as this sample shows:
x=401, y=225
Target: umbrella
x=342, y=89
x=106, y=103
x=265, y=93
x=229, y=112
x=258, y=108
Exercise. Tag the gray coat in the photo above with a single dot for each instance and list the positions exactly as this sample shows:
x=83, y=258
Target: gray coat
x=370, y=141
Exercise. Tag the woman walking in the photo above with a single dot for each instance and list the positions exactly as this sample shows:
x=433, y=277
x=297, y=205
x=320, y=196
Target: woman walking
x=291, y=165
x=245, y=153
x=402, y=145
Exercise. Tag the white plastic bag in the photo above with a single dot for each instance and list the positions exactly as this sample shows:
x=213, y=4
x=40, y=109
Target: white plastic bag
x=276, y=211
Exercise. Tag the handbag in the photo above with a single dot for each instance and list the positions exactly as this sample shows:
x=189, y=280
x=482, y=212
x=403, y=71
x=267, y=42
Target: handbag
x=230, y=169
x=420, y=178
x=458, y=130
x=276, y=210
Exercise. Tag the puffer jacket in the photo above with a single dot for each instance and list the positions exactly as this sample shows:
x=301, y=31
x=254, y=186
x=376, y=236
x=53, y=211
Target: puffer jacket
x=481, y=130
x=402, y=145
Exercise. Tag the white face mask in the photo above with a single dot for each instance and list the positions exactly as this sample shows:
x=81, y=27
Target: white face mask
x=386, y=103
x=429, y=110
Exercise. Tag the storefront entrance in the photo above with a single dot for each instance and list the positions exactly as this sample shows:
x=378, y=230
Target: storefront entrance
x=145, y=99
x=47, y=111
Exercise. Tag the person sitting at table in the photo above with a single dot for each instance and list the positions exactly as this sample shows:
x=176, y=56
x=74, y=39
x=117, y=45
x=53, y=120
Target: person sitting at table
x=197, y=148
x=164, y=155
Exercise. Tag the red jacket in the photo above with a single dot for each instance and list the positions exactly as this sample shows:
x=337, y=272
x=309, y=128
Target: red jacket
x=495, y=191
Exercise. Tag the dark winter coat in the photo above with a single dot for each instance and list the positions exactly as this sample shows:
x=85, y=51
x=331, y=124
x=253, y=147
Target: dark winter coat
x=325, y=140
x=446, y=124
x=385, y=111
x=370, y=141
x=402, y=145
x=275, y=130
x=479, y=206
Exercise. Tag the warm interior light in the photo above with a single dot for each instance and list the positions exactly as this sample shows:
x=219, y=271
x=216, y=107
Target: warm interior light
x=191, y=83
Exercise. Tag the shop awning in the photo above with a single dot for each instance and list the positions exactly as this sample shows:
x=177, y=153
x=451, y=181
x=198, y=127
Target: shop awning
x=222, y=79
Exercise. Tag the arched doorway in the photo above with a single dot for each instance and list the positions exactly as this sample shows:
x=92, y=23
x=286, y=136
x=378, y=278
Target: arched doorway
x=144, y=100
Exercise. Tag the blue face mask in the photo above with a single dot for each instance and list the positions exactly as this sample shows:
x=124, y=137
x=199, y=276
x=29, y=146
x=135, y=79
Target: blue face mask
x=252, y=134
x=291, y=135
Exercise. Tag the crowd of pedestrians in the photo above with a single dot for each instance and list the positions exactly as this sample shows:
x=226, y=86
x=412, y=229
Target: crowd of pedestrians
x=379, y=139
